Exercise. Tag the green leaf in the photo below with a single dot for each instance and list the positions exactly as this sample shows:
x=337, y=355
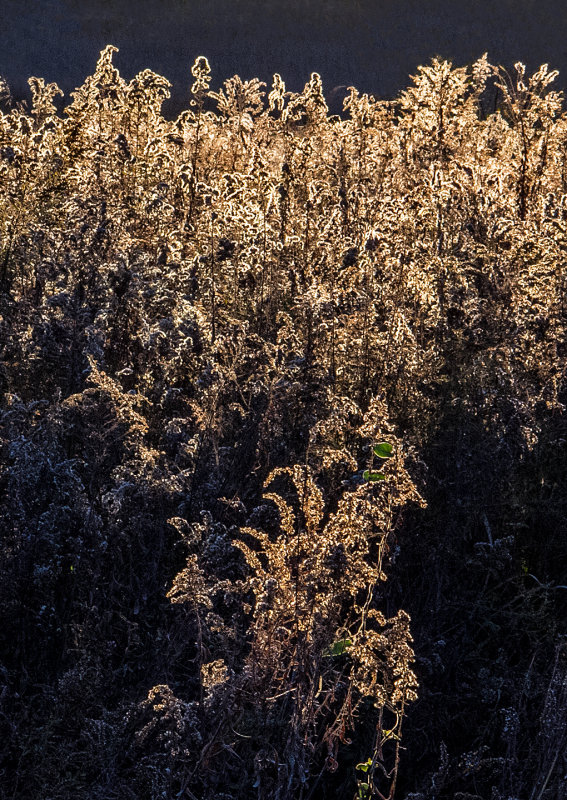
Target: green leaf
x=524, y=565
x=338, y=648
x=364, y=767
x=373, y=476
x=383, y=450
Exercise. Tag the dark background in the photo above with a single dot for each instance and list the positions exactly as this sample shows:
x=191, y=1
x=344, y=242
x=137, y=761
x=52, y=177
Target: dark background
x=373, y=44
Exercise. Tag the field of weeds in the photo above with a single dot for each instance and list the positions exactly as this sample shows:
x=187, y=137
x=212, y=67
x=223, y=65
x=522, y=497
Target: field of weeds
x=283, y=441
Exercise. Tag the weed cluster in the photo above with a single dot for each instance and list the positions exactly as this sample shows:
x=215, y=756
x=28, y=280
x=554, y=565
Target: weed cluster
x=237, y=350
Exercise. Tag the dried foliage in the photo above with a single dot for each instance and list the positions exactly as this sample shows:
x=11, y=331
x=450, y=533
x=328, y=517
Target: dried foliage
x=237, y=349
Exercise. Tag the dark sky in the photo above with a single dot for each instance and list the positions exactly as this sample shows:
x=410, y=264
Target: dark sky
x=373, y=44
